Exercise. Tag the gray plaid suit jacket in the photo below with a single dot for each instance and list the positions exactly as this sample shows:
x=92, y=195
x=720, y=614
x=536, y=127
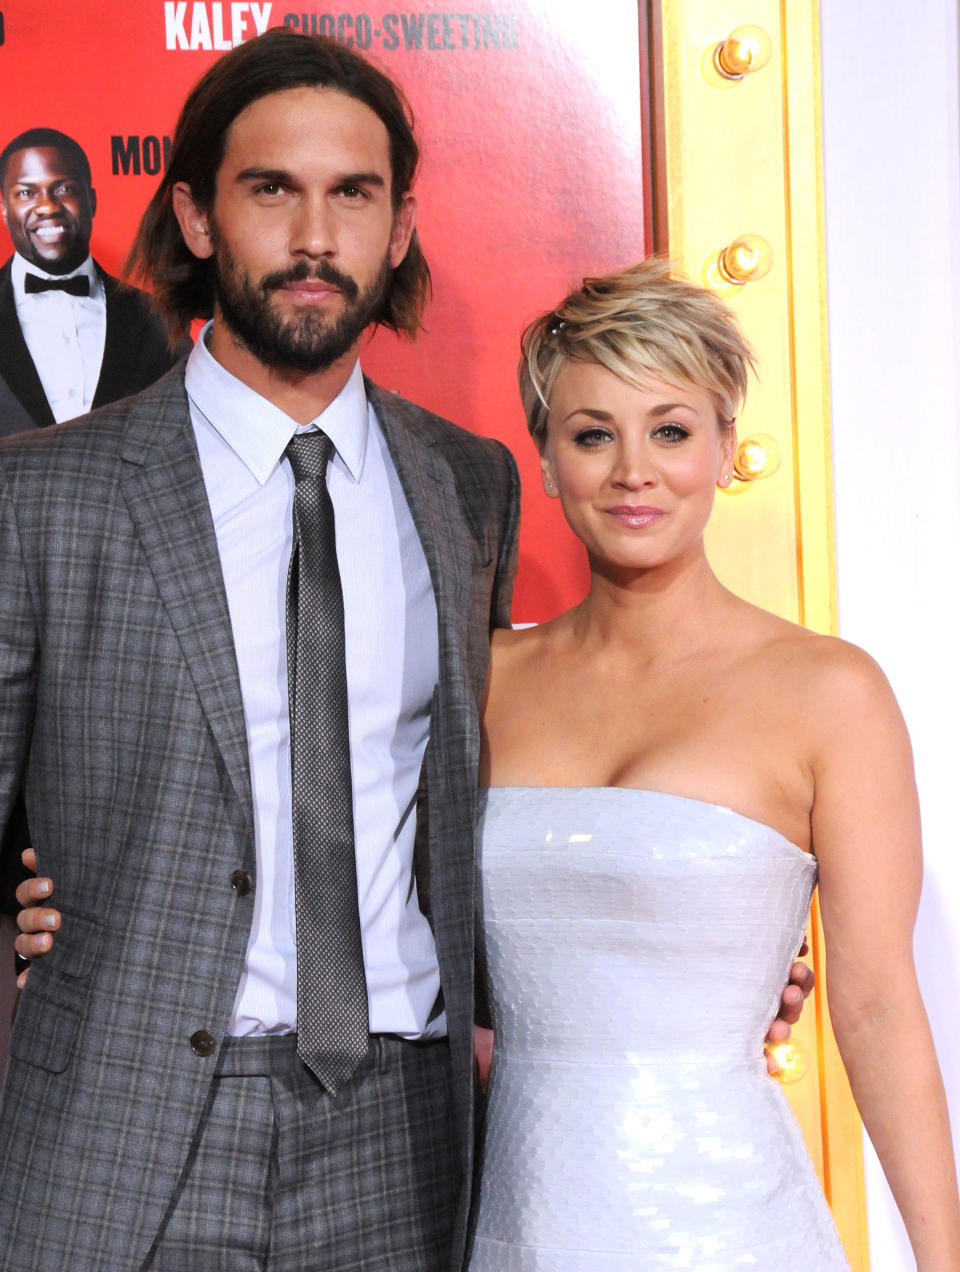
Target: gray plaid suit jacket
x=120, y=712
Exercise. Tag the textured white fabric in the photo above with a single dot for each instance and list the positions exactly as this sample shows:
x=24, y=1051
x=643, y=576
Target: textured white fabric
x=65, y=336
x=620, y=1136
x=391, y=655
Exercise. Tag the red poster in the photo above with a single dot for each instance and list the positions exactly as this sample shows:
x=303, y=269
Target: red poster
x=529, y=114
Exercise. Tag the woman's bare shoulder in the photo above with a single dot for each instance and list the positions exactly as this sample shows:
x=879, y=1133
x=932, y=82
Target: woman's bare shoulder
x=825, y=670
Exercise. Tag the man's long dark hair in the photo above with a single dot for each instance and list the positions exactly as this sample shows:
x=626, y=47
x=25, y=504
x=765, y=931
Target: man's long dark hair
x=183, y=285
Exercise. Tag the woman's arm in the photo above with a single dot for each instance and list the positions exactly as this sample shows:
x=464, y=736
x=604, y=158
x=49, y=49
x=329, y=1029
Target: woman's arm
x=866, y=834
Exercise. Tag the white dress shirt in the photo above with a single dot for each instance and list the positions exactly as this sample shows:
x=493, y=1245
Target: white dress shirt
x=65, y=335
x=391, y=657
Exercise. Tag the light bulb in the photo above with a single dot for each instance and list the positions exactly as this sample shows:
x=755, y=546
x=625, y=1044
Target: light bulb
x=745, y=260
x=791, y=1060
x=746, y=49
x=757, y=456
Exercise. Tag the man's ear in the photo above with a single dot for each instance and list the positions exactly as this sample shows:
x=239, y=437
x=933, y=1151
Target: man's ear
x=92, y=200
x=194, y=221
x=404, y=223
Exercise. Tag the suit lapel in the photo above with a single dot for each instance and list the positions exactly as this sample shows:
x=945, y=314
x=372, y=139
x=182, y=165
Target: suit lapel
x=430, y=490
x=165, y=493
x=117, y=347
x=16, y=365
x=122, y=343
x=444, y=886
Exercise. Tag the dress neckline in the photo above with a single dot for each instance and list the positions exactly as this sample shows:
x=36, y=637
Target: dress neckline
x=685, y=799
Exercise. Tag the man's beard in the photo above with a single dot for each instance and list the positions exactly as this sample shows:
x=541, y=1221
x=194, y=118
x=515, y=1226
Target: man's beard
x=308, y=341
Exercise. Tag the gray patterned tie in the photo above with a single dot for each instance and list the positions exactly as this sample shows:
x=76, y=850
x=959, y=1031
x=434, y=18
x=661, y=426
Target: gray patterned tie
x=332, y=1025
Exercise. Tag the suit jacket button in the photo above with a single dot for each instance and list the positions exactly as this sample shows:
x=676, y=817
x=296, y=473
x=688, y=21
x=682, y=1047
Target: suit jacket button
x=241, y=882
x=203, y=1042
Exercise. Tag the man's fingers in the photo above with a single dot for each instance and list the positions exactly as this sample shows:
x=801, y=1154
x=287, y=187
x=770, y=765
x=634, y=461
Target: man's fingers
x=802, y=976
x=34, y=891
x=34, y=919
x=29, y=859
x=33, y=944
x=778, y=1032
x=22, y=978
x=791, y=1004
x=773, y=1068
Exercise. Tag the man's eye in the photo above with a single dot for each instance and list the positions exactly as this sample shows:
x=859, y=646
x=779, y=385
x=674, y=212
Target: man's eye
x=353, y=192
x=269, y=188
x=672, y=434
x=592, y=436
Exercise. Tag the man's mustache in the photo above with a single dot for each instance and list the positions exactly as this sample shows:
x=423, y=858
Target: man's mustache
x=322, y=271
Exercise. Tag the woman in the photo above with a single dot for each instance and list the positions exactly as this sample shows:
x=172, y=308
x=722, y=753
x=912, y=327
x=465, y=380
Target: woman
x=669, y=769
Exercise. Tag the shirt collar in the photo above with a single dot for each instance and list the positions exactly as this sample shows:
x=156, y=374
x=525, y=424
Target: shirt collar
x=257, y=431
x=20, y=267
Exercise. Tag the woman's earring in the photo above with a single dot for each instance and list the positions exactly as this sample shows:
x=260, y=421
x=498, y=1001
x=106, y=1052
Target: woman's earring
x=549, y=487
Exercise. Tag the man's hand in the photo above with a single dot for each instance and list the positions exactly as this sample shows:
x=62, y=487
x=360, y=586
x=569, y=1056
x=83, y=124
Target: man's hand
x=795, y=993
x=36, y=923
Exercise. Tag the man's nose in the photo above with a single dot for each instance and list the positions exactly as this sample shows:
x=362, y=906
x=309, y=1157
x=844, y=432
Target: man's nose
x=313, y=231
x=47, y=202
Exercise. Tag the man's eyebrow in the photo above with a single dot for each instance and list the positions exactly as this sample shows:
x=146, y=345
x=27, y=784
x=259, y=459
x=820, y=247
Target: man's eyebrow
x=362, y=178
x=281, y=177
x=265, y=174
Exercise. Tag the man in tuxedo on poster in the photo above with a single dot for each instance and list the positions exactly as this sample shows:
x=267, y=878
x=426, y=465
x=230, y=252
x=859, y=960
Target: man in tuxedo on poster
x=157, y=1113
x=71, y=336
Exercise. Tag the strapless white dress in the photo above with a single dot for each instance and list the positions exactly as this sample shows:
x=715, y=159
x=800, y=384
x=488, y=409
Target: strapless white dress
x=637, y=944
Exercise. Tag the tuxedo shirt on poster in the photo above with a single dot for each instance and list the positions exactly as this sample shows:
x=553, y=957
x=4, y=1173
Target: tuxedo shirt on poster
x=391, y=662
x=65, y=335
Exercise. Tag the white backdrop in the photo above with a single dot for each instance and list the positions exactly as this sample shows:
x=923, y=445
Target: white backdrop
x=892, y=170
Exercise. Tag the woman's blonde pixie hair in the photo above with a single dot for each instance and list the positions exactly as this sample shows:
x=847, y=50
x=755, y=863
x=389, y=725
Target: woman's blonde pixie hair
x=641, y=323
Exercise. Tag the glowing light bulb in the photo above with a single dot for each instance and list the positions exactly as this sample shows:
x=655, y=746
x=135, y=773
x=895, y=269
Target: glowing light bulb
x=791, y=1060
x=746, y=49
x=745, y=260
x=757, y=456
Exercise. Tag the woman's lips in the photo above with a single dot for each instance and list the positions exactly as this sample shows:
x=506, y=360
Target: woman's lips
x=636, y=516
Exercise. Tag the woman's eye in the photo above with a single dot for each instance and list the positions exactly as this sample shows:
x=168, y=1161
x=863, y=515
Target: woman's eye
x=672, y=434
x=592, y=437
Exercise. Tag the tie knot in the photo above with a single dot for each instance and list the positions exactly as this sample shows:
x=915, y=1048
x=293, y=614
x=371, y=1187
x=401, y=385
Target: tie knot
x=309, y=454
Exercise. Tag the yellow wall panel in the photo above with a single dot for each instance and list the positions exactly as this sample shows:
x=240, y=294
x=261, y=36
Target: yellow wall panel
x=740, y=158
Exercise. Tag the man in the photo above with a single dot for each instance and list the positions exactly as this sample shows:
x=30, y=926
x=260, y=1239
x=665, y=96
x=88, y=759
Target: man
x=143, y=646
x=157, y=1113
x=71, y=337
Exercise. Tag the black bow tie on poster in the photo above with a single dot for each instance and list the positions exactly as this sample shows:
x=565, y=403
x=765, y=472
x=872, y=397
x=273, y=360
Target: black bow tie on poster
x=79, y=285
